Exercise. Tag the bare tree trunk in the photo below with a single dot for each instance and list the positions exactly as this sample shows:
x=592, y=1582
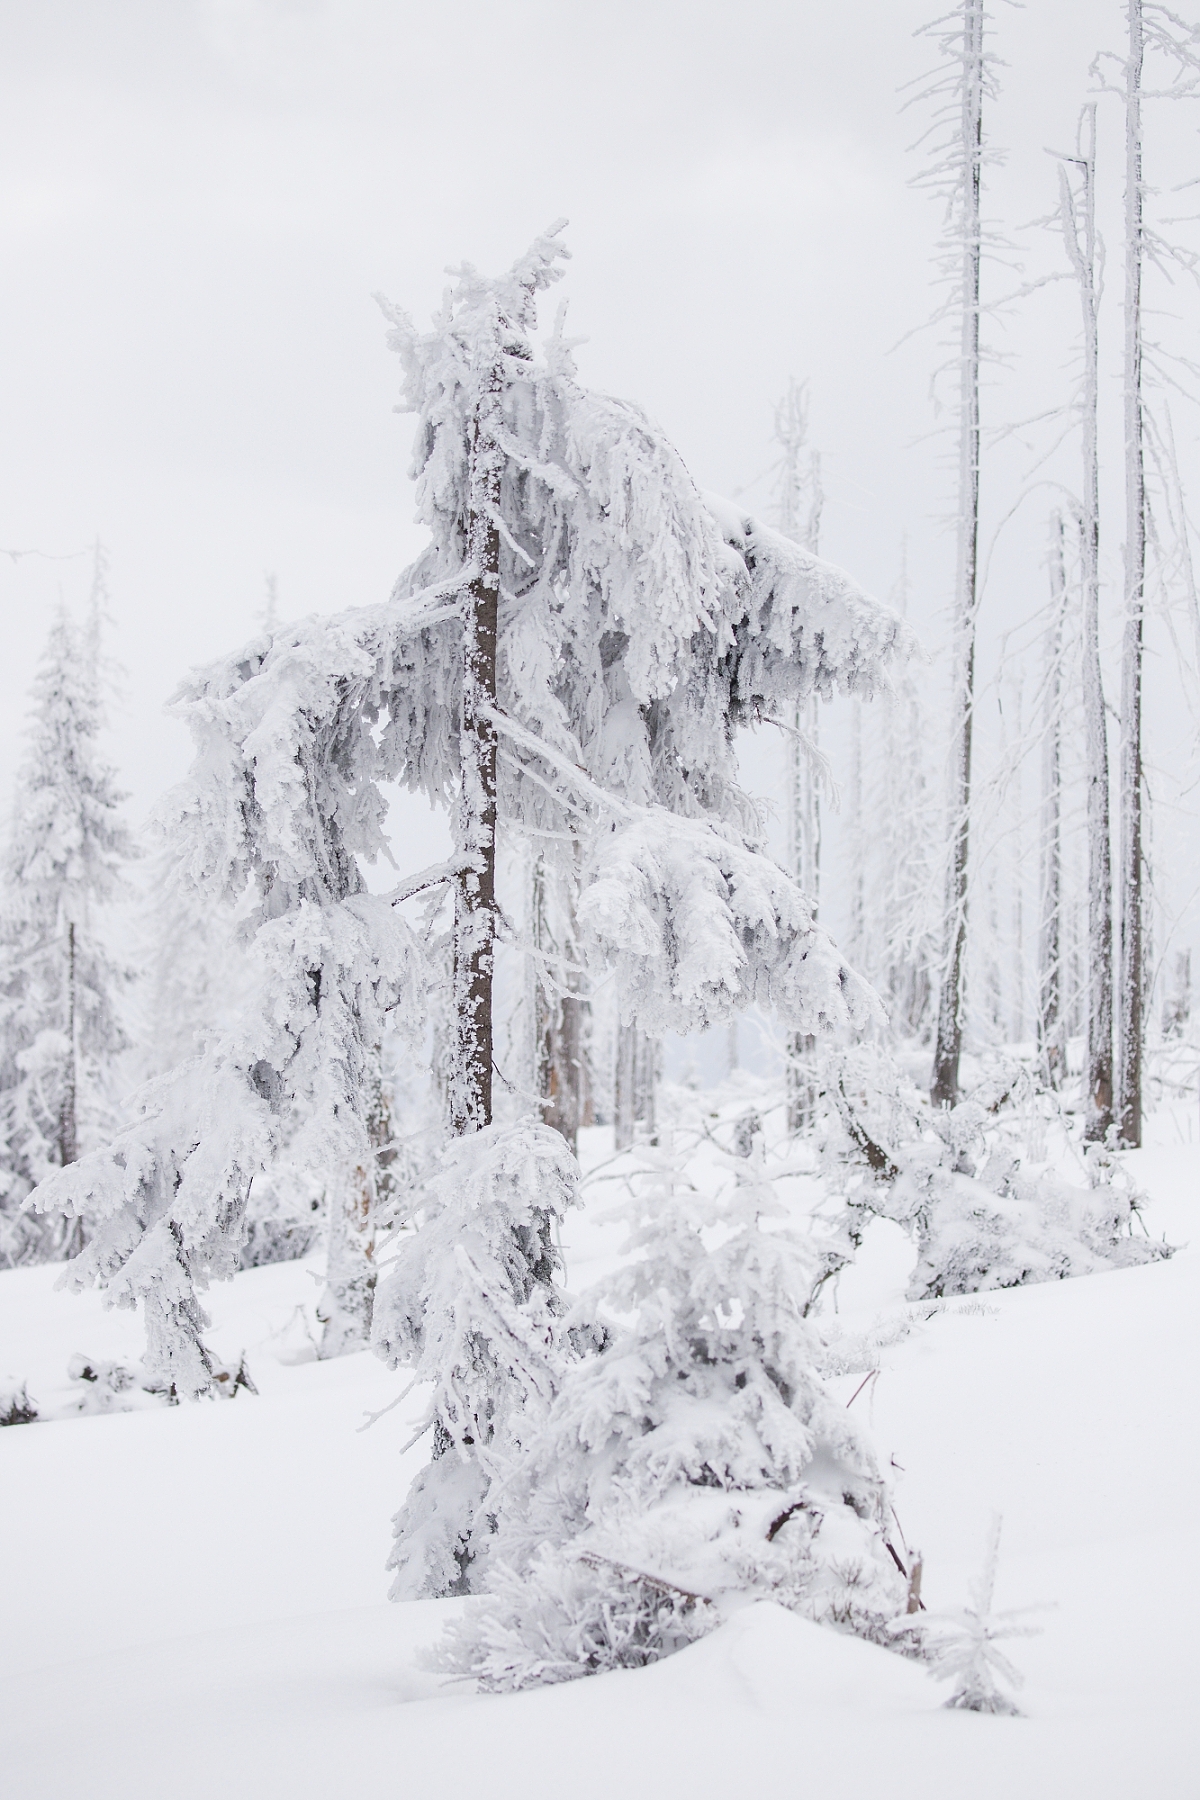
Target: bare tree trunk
x=1079, y=232
x=561, y=1012
x=68, y=1116
x=634, y=1086
x=804, y=822
x=347, y=1303
x=1051, y=1035
x=951, y=1002
x=1177, y=1005
x=68, y=1138
x=1017, y=1016
x=1132, y=976
x=470, y=1082
x=804, y=799
x=858, y=846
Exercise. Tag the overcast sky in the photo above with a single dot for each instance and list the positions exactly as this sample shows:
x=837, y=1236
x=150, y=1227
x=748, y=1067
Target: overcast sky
x=200, y=198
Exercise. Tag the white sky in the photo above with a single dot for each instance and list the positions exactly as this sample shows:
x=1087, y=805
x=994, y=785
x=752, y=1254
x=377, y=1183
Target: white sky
x=198, y=199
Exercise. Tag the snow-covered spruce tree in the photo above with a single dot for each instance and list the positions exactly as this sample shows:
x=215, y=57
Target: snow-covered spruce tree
x=637, y=625
x=60, y=985
x=570, y=653
x=695, y=1457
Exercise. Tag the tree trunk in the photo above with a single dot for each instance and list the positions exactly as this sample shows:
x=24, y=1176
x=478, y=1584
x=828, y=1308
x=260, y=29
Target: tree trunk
x=1177, y=1005
x=561, y=1013
x=347, y=1304
x=804, y=810
x=355, y=1213
x=1051, y=1035
x=68, y=1138
x=634, y=1086
x=470, y=1084
x=804, y=823
x=948, y=1047
x=1081, y=246
x=68, y=1127
x=1132, y=978
x=858, y=847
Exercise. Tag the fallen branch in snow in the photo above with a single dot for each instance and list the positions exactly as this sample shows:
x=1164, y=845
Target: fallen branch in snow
x=878, y=1160
x=595, y=1560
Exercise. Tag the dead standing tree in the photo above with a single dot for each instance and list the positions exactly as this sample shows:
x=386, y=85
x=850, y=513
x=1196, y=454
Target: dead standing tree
x=1051, y=1016
x=1077, y=216
x=958, y=89
x=1153, y=31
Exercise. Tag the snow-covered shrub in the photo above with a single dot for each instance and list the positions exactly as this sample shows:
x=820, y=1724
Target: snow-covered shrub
x=954, y=1178
x=470, y=1305
x=103, y=1386
x=229, y=1379
x=16, y=1407
x=696, y=1456
x=569, y=1614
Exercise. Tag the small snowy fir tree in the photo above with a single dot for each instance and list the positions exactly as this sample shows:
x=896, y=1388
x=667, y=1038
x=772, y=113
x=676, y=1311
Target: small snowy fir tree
x=696, y=1457
x=961, y=1644
x=60, y=985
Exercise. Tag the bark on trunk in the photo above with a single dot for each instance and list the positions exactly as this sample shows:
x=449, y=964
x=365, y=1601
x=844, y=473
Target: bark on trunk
x=948, y=1047
x=1051, y=1034
x=68, y=1118
x=68, y=1139
x=470, y=1085
x=805, y=833
x=1132, y=981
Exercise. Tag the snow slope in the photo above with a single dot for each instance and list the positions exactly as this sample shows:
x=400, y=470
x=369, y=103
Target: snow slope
x=193, y=1597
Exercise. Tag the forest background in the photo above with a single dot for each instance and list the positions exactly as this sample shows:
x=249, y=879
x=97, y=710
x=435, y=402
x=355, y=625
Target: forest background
x=199, y=202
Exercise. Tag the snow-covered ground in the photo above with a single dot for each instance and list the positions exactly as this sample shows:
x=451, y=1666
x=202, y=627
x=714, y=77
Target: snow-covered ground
x=194, y=1597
